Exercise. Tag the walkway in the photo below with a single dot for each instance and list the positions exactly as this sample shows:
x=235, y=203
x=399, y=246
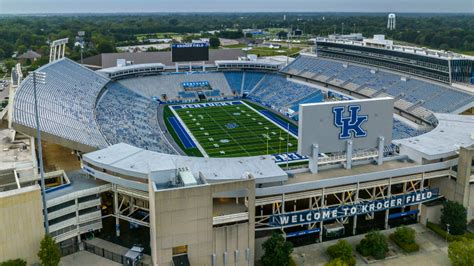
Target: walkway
x=82, y=258
x=100, y=247
x=433, y=251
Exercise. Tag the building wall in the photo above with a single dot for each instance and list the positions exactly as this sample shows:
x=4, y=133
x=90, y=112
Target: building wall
x=430, y=213
x=464, y=190
x=231, y=244
x=184, y=216
x=21, y=221
x=446, y=186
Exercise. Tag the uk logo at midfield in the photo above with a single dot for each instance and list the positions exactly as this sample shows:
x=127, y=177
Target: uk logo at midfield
x=351, y=126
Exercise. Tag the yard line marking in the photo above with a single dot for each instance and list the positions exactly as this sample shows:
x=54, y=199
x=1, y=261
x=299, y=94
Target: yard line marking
x=262, y=115
x=244, y=150
x=249, y=130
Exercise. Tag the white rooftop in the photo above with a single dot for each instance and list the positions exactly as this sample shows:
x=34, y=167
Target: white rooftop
x=130, y=67
x=452, y=132
x=126, y=159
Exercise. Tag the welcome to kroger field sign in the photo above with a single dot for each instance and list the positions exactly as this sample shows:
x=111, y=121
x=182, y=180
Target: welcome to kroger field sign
x=305, y=217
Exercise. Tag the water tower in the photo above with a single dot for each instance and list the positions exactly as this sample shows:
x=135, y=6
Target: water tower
x=391, y=21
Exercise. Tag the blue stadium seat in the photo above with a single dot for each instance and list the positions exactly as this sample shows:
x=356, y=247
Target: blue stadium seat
x=65, y=102
x=125, y=116
x=432, y=96
x=278, y=92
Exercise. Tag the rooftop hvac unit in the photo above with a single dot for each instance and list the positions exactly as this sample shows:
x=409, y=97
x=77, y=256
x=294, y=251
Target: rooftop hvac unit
x=186, y=177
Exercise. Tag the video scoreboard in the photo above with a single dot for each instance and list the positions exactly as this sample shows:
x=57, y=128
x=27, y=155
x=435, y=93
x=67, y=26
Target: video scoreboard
x=190, y=52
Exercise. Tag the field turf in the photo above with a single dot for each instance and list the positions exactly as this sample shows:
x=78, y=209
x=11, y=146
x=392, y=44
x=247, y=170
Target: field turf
x=234, y=131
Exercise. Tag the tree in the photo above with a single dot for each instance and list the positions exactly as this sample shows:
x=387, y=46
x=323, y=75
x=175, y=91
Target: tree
x=337, y=262
x=152, y=49
x=105, y=47
x=454, y=214
x=214, y=42
x=461, y=253
x=374, y=244
x=173, y=22
x=9, y=64
x=49, y=253
x=17, y=262
x=277, y=251
x=404, y=237
x=342, y=250
x=405, y=234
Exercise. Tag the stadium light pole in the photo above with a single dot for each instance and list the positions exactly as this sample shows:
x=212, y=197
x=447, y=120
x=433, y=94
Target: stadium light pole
x=279, y=144
x=268, y=138
x=40, y=78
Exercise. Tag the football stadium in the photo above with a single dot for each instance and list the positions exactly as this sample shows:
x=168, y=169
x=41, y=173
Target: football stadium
x=200, y=161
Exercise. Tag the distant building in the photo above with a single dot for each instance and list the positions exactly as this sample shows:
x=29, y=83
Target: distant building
x=29, y=55
x=162, y=40
x=391, y=21
x=254, y=32
x=110, y=59
x=379, y=41
x=282, y=35
x=349, y=37
x=297, y=33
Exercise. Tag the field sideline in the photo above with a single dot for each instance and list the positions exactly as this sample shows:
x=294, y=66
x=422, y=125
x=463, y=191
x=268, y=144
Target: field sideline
x=234, y=130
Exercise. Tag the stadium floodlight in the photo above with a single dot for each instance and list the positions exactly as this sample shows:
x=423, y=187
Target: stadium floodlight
x=40, y=78
x=287, y=145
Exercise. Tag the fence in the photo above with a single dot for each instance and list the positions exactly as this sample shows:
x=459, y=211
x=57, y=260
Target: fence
x=108, y=254
x=68, y=250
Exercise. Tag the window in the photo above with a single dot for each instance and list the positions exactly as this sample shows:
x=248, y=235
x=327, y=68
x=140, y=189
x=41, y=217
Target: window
x=180, y=250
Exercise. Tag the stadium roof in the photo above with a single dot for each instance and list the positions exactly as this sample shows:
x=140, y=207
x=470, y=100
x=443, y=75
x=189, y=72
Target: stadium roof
x=452, y=132
x=131, y=67
x=110, y=59
x=130, y=160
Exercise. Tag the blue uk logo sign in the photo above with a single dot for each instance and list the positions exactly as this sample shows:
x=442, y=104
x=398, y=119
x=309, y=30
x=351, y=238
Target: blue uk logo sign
x=351, y=126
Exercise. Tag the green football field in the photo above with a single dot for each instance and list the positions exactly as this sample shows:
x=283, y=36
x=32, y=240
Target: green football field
x=235, y=130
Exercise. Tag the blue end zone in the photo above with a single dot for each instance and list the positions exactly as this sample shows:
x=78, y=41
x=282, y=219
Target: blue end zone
x=271, y=116
x=182, y=134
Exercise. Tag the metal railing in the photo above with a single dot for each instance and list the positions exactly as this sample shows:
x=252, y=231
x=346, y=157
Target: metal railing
x=108, y=254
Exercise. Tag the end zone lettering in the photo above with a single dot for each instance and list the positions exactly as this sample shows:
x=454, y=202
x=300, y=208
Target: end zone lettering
x=200, y=105
x=305, y=217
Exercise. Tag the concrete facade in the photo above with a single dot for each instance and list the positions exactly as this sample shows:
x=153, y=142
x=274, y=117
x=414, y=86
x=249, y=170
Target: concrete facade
x=184, y=217
x=464, y=190
x=22, y=224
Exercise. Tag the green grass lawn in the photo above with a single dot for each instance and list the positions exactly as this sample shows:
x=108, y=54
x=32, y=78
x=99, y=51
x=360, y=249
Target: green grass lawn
x=236, y=46
x=264, y=51
x=234, y=131
x=158, y=35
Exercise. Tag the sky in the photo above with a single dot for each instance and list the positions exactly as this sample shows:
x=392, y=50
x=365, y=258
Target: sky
x=114, y=6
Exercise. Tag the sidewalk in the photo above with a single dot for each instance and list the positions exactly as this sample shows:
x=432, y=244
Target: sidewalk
x=433, y=251
x=82, y=258
x=114, y=248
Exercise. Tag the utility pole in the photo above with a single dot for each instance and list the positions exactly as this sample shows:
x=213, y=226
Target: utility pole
x=268, y=138
x=40, y=78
